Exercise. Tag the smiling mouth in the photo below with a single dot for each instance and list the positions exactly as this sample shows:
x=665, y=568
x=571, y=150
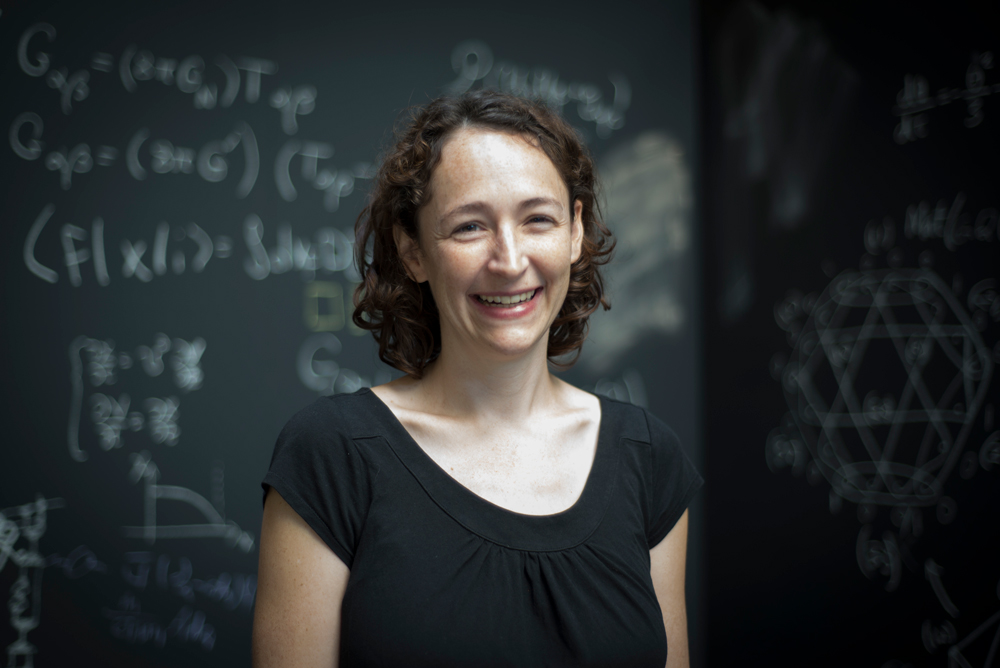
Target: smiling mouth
x=507, y=301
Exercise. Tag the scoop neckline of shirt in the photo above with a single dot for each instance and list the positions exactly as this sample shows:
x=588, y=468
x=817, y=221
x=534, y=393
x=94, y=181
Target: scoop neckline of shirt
x=509, y=528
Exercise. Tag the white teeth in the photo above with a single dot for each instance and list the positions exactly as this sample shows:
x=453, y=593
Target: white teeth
x=505, y=299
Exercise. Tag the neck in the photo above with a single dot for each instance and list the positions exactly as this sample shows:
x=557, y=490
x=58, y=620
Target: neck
x=490, y=388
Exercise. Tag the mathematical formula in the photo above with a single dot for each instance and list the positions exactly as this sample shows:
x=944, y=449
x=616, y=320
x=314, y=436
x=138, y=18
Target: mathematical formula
x=914, y=102
x=180, y=248
x=473, y=62
x=190, y=75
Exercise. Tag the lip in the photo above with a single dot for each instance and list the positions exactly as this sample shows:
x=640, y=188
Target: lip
x=508, y=312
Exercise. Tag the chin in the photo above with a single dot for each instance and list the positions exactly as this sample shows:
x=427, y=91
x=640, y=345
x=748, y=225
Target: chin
x=512, y=347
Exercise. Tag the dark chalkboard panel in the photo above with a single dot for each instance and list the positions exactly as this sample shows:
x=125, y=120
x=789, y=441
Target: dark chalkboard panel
x=180, y=183
x=852, y=324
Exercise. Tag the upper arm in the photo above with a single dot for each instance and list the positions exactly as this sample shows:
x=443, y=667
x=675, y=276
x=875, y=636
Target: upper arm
x=666, y=567
x=300, y=588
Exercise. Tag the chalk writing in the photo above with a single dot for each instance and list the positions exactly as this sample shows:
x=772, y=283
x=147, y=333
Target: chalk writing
x=100, y=363
x=880, y=557
x=318, y=370
x=473, y=62
x=136, y=264
x=25, y=604
x=80, y=561
x=130, y=624
x=335, y=184
x=989, y=630
x=71, y=87
x=214, y=526
x=210, y=160
x=933, y=572
x=914, y=100
x=888, y=387
x=231, y=590
x=332, y=251
x=937, y=636
x=189, y=74
x=293, y=102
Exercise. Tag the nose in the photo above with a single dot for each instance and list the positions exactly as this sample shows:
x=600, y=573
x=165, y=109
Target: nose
x=508, y=256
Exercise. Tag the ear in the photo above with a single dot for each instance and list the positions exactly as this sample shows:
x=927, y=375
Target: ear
x=410, y=253
x=576, y=231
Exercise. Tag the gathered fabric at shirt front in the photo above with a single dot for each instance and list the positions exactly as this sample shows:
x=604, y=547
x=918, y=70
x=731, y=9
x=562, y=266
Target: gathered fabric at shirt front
x=442, y=577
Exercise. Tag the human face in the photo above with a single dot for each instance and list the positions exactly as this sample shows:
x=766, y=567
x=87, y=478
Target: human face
x=497, y=228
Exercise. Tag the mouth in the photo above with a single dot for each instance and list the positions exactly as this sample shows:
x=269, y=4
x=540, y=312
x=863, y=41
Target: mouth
x=507, y=301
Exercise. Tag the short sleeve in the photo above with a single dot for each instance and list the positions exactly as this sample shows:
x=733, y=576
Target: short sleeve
x=674, y=483
x=318, y=469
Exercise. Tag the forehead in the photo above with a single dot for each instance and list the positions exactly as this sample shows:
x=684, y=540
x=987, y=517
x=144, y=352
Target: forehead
x=478, y=163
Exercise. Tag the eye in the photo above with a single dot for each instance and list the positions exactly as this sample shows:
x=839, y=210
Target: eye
x=540, y=219
x=467, y=228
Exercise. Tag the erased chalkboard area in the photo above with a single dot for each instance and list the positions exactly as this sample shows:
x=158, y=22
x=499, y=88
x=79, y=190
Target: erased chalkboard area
x=179, y=187
x=852, y=320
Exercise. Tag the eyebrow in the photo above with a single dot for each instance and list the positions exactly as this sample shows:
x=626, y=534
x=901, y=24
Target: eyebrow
x=478, y=207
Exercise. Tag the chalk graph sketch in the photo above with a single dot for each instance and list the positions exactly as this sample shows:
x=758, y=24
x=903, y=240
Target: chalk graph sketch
x=28, y=521
x=648, y=187
x=214, y=526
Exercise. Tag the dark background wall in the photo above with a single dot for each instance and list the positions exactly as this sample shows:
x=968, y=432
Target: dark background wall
x=851, y=332
x=180, y=183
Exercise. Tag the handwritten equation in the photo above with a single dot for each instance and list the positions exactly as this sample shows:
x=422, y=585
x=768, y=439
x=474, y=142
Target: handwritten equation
x=142, y=571
x=212, y=161
x=189, y=75
x=179, y=248
x=473, y=62
x=99, y=362
x=914, y=101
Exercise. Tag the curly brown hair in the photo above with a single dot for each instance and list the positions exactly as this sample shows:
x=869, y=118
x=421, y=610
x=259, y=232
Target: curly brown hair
x=400, y=313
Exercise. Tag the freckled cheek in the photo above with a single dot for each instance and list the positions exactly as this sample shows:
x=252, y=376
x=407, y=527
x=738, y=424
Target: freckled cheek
x=458, y=267
x=552, y=258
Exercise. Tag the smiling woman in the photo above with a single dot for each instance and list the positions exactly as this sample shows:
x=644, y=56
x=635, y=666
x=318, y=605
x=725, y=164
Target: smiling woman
x=478, y=510
x=401, y=313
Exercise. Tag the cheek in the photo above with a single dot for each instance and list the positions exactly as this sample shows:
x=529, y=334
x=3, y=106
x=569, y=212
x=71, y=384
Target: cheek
x=554, y=256
x=453, y=267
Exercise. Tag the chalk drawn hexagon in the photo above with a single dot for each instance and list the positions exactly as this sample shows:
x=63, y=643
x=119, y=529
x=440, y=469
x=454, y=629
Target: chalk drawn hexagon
x=857, y=385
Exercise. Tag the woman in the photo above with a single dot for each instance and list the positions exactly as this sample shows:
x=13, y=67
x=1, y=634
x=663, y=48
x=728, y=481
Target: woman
x=477, y=511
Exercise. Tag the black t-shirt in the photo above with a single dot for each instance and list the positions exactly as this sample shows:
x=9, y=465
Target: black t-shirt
x=442, y=577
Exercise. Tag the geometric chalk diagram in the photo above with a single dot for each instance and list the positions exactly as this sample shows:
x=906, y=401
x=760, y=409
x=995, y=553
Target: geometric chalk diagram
x=887, y=438
x=887, y=377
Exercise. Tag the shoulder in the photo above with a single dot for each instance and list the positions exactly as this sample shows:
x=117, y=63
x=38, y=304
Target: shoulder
x=660, y=454
x=327, y=433
x=639, y=425
x=335, y=417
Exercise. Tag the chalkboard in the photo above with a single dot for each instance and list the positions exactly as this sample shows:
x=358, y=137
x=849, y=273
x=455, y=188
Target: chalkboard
x=852, y=320
x=181, y=183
